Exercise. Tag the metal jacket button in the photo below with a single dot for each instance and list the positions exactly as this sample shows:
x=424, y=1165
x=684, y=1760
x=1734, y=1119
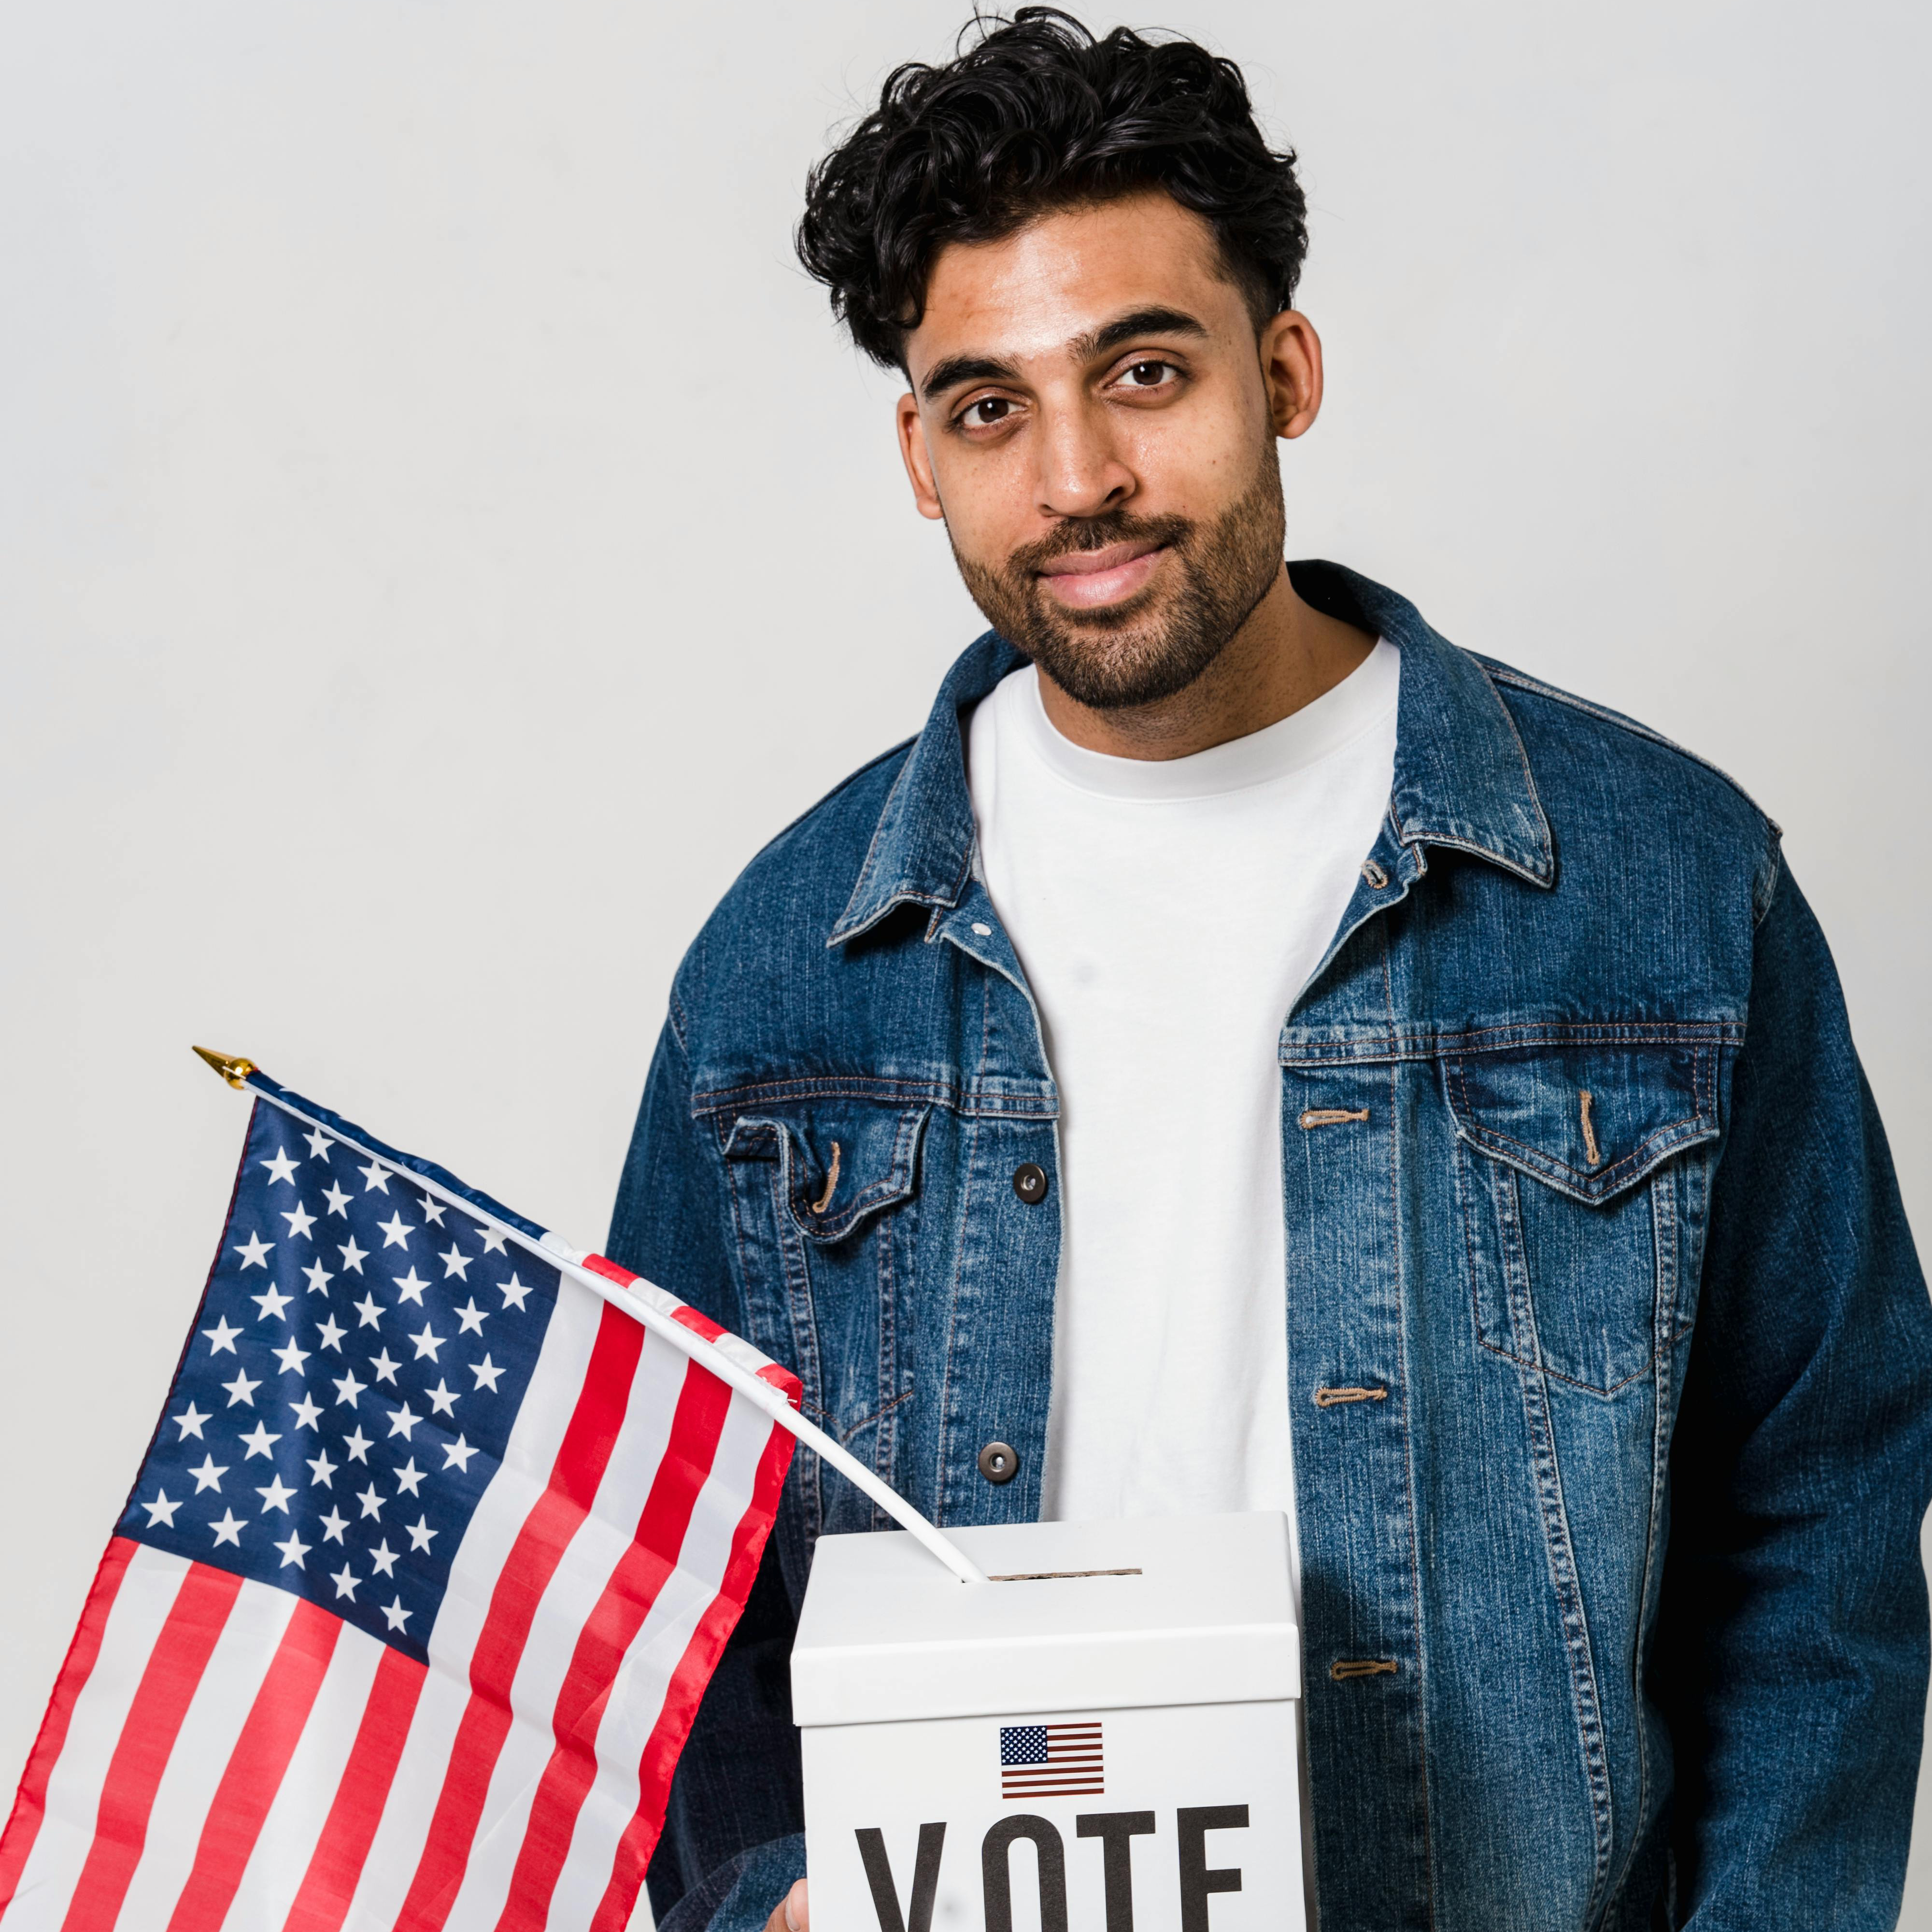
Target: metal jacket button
x=1029, y=1184
x=1000, y=1462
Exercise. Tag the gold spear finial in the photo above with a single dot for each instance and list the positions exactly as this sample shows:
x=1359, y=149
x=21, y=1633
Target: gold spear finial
x=232, y=1068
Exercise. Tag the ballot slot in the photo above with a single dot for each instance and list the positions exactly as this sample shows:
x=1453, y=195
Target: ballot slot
x=1114, y=1747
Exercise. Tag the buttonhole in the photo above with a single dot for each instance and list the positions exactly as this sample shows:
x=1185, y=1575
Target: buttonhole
x=824, y=1201
x=1374, y=874
x=1344, y=1668
x=1331, y=1117
x=1331, y=1398
x=1591, y=1153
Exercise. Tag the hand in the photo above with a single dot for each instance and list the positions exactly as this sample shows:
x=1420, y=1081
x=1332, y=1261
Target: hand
x=793, y=1914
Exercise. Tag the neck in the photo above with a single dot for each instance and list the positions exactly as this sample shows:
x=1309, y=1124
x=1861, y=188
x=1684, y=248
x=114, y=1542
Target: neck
x=1285, y=656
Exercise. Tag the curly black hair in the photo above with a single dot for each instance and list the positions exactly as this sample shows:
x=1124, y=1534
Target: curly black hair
x=1037, y=114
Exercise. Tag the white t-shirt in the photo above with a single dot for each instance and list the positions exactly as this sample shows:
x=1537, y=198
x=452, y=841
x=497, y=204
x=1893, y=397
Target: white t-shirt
x=1168, y=913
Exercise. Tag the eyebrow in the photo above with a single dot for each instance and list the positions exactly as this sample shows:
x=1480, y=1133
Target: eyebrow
x=954, y=370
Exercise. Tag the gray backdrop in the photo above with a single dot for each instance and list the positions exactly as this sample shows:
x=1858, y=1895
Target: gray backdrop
x=441, y=538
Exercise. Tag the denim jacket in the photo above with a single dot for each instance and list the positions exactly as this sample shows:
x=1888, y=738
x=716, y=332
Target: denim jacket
x=1582, y=1185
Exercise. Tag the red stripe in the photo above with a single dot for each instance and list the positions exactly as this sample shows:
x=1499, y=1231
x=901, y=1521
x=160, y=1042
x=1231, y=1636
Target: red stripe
x=778, y=1376
x=30, y=1806
x=167, y=1688
x=652, y=1556
x=255, y=1767
x=540, y=1545
x=335, y=1866
x=687, y=1687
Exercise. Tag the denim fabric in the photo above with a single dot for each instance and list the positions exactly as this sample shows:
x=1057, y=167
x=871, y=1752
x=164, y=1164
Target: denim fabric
x=1634, y=1514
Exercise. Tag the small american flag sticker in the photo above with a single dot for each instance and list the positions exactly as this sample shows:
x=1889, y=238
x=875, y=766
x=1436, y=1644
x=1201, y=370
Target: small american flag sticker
x=1050, y=1761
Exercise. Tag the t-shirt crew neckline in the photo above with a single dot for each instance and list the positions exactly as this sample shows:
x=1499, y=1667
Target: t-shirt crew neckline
x=1331, y=722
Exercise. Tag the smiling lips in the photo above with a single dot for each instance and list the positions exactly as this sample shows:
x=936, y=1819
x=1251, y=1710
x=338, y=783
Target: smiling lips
x=1087, y=579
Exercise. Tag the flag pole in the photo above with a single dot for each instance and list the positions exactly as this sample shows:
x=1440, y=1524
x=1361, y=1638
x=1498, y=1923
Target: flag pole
x=239, y=1073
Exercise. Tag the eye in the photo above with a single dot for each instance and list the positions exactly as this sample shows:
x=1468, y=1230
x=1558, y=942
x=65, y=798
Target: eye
x=988, y=412
x=1148, y=375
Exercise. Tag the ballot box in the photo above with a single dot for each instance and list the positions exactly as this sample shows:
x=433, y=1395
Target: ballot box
x=1101, y=1739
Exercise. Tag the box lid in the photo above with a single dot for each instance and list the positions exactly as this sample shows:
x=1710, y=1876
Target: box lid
x=1202, y=1615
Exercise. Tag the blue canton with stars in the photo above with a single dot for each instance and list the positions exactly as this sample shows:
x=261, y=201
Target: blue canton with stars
x=359, y=1357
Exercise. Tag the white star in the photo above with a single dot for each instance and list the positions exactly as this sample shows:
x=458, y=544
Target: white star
x=347, y=1388
x=345, y=1580
x=338, y=1202
x=420, y=1533
x=442, y=1399
x=322, y=1470
x=372, y=1502
x=454, y=1262
x=333, y=1525
x=432, y=1209
x=299, y=1223
x=228, y=1530
x=493, y=1239
x=319, y=1144
x=402, y=1421
x=271, y=1304
x=471, y=1317
x=371, y=1310
x=331, y=1334
x=209, y=1476
x=486, y=1373
x=260, y=1440
x=241, y=1390
x=221, y=1336
x=275, y=1496
x=427, y=1342
x=292, y=1357
x=410, y=1287
x=384, y=1558
x=353, y=1257
x=358, y=1445
x=307, y=1412
x=293, y=1551
x=160, y=1510
x=319, y=1278
x=514, y=1291
x=396, y=1231
x=385, y=1366
x=409, y=1477
x=396, y=1615
x=190, y=1424
x=255, y=1253
x=456, y=1455
x=375, y=1176
x=281, y=1169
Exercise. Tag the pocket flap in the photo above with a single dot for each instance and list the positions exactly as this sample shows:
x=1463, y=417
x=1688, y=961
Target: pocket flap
x=1590, y=1120
x=843, y=1160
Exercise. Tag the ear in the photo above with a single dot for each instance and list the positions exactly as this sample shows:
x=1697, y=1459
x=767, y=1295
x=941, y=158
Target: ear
x=1291, y=356
x=918, y=459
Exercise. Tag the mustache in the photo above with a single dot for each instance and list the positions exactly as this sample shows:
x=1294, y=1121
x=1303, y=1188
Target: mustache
x=1079, y=533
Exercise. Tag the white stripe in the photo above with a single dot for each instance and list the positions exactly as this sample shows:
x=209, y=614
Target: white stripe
x=652, y=1660
x=573, y=1591
x=528, y=1458
x=235, y=1667
x=148, y=1587
x=294, y=1823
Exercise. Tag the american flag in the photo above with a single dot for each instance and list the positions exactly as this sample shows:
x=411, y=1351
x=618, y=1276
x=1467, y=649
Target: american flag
x=410, y=1612
x=1050, y=1761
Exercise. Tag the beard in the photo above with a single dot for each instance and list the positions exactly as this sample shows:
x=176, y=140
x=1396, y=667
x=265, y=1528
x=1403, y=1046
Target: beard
x=1156, y=643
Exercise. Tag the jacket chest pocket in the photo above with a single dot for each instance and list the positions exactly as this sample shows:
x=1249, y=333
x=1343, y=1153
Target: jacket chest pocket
x=1574, y=1184
x=824, y=1195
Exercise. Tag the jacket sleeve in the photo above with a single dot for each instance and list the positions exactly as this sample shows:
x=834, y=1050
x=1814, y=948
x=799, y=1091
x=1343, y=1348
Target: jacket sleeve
x=1791, y=1653
x=729, y=1849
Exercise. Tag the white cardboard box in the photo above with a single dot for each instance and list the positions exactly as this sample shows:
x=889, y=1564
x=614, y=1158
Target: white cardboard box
x=1103, y=1741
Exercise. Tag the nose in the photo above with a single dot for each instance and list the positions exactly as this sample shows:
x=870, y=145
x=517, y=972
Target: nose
x=1081, y=470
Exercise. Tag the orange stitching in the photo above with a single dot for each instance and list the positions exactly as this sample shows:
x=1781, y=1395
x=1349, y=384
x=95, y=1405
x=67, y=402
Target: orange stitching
x=1374, y=874
x=1329, y=1398
x=1331, y=1117
x=1346, y=1667
x=824, y=1201
x=1590, y=1150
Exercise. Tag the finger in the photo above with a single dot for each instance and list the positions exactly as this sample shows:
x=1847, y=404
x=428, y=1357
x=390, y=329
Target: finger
x=797, y=1912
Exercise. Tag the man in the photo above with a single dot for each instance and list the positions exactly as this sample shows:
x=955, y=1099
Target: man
x=1248, y=1053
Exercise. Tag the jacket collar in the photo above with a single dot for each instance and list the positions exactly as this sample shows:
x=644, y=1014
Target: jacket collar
x=1461, y=777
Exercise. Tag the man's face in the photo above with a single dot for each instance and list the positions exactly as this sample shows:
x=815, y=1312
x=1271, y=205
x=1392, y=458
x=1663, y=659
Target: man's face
x=1093, y=417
